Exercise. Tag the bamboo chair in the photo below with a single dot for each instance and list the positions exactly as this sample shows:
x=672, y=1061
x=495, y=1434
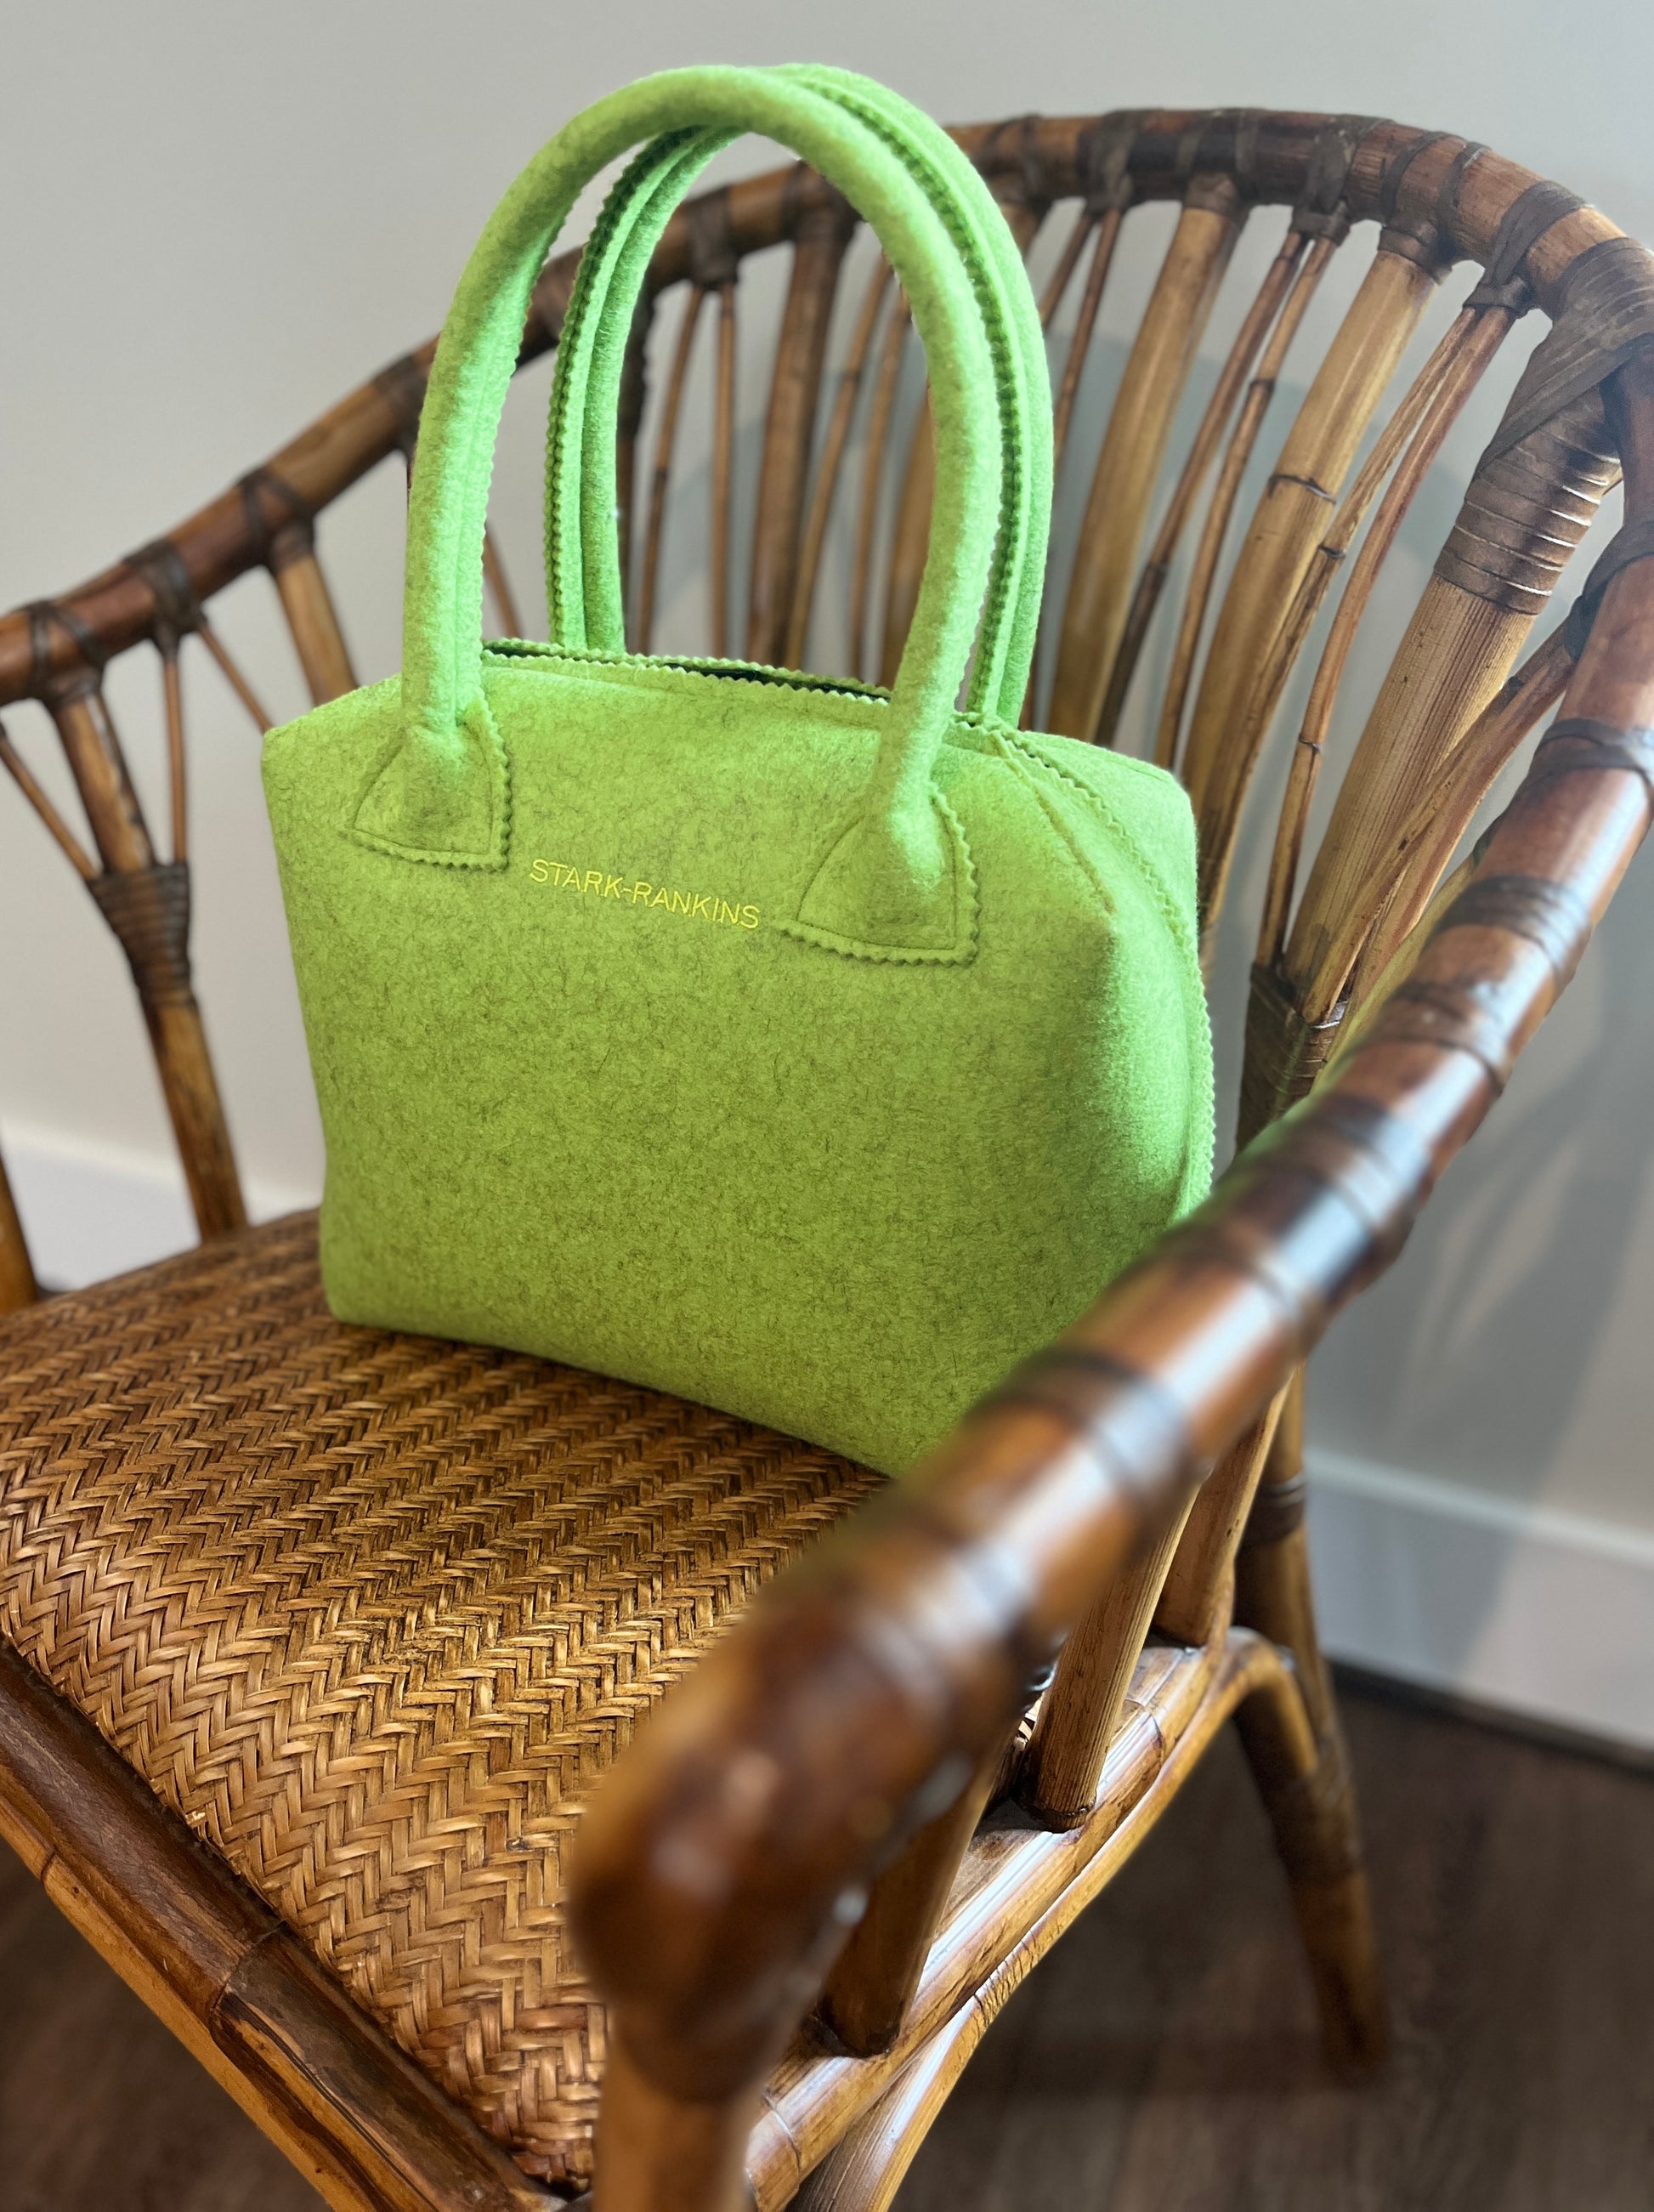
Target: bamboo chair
x=315, y=1639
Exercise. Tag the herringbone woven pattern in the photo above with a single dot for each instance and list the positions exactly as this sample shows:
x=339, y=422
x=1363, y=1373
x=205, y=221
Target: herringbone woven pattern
x=372, y=1612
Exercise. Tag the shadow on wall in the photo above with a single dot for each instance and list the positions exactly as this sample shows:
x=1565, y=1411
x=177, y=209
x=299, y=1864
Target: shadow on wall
x=1533, y=1249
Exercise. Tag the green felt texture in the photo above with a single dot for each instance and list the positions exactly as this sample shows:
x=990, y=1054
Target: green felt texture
x=806, y=1050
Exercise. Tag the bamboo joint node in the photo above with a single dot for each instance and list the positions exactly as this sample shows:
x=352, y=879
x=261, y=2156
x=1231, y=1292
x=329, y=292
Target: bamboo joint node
x=148, y=911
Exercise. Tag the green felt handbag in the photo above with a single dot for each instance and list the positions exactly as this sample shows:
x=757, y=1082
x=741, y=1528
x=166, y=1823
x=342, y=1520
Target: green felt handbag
x=807, y=1049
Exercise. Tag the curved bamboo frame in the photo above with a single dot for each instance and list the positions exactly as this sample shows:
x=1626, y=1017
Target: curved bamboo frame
x=931, y=1613
x=840, y=1743
x=1328, y=171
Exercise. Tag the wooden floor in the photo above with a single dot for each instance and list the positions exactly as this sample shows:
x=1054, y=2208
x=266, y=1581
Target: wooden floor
x=1162, y=2060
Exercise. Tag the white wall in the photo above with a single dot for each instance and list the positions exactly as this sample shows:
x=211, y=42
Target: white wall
x=214, y=219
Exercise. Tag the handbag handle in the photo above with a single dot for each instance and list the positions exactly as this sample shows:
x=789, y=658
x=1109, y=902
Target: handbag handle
x=895, y=880
x=586, y=606
x=584, y=592
x=1007, y=302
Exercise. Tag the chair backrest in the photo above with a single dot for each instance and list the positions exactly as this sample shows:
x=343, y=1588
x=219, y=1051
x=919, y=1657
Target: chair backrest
x=1164, y=557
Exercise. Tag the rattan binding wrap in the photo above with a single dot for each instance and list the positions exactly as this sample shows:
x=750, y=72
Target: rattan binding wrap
x=372, y=1612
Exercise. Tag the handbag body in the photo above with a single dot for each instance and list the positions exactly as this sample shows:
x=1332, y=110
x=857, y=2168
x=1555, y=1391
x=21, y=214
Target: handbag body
x=811, y=1051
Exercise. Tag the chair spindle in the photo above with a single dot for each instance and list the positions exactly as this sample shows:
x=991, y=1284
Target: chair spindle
x=1522, y=516
x=829, y=467
x=871, y=1984
x=1399, y=885
x=67, y=843
x=177, y=762
x=1219, y=512
x=238, y=683
x=1151, y=581
x=1134, y=446
x=660, y=481
x=281, y=527
x=1106, y=233
x=505, y=602
x=18, y=1287
x=801, y=347
x=317, y=637
x=880, y=412
x=147, y=904
x=1466, y=353
x=1279, y=547
x=723, y=531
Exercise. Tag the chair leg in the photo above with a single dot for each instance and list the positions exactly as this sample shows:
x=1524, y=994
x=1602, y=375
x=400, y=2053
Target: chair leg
x=657, y=2153
x=1295, y=1746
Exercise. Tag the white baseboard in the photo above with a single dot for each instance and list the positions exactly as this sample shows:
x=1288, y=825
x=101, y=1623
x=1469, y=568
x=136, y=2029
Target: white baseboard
x=1544, y=1613
x=90, y=1210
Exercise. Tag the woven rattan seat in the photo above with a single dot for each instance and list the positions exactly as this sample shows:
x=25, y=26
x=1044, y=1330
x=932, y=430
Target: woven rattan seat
x=371, y=1612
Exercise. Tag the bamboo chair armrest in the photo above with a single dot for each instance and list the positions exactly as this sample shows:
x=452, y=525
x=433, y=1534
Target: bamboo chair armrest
x=726, y=1855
